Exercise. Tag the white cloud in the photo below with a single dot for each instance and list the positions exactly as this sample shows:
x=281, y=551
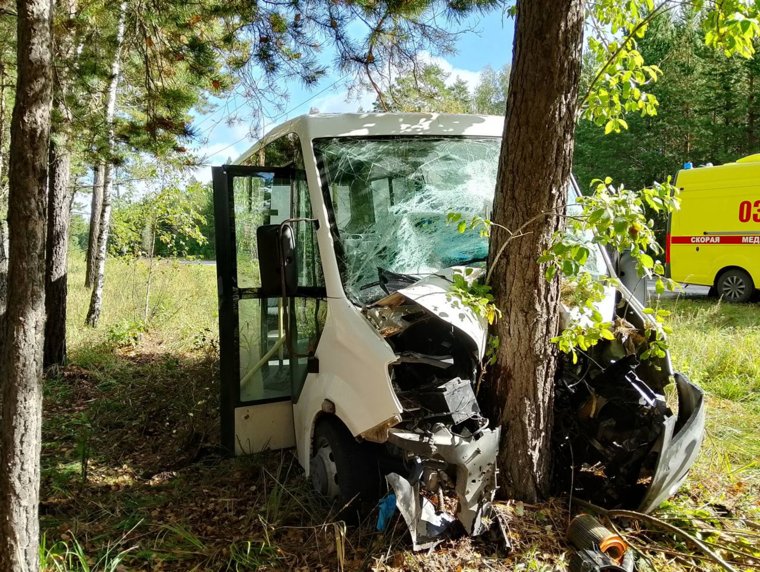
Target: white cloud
x=471, y=77
x=227, y=142
x=342, y=101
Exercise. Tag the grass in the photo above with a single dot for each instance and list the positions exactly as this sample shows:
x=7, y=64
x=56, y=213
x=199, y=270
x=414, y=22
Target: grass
x=182, y=306
x=132, y=479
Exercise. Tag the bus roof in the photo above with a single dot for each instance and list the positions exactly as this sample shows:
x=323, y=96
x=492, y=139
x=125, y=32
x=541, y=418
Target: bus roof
x=318, y=125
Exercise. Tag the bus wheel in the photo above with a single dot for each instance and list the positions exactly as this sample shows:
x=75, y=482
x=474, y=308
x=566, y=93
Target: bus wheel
x=342, y=469
x=735, y=285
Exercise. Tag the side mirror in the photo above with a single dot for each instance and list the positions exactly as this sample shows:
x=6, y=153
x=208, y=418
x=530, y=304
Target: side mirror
x=276, y=244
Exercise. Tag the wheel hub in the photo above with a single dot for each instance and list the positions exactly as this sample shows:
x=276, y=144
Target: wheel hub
x=733, y=288
x=324, y=472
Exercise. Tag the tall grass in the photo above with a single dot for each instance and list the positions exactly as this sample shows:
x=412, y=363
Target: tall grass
x=182, y=305
x=717, y=345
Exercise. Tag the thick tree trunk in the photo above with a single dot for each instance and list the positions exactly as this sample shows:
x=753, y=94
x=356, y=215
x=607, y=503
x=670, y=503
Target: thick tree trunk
x=96, y=210
x=59, y=195
x=534, y=170
x=96, y=299
x=21, y=357
x=56, y=272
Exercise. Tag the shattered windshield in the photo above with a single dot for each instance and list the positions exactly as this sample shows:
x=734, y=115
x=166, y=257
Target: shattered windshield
x=390, y=199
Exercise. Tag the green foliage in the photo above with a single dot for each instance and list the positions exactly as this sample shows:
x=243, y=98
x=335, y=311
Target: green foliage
x=428, y=88
x=424, y=88
x=166, y=223
x=620, y=83
x=78, y=232
x=614, y=218
x=490, y=94
x=731, y=26
x=708, y=110
x=622, y=80
x=476, y=223
x=126, y=333
x=474, y=294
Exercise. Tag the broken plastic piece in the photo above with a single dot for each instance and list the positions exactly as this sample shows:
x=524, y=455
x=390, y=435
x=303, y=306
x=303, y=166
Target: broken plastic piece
x=426, y=527
x=475, y=461
x=386, y=510
x=453, y=401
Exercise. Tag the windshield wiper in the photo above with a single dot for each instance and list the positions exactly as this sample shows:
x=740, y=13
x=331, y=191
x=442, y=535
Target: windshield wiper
x=469, y=261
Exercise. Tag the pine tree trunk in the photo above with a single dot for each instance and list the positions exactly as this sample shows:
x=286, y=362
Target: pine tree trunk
x=534, y=169
x=21, y=357
x=59, y=195
x=96, y=299
x=56, y=276
x=3, y=86
x=96, y=209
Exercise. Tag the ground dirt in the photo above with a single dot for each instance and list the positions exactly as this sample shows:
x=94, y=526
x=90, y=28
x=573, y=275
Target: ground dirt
x=133, y=478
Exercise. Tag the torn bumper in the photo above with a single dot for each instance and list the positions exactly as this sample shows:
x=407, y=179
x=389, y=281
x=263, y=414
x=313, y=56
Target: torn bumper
x=678, y=445
x=474, y=458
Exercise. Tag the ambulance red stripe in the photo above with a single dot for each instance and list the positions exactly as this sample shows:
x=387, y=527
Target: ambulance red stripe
x=716, y=239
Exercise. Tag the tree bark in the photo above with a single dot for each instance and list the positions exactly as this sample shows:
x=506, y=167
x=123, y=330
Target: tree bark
x=21, y=357
x=3, y=225
x=3, y=277
x=534, y=170
x=96, y=210
x=59, y=195
x=56, y=272
x=96, y=299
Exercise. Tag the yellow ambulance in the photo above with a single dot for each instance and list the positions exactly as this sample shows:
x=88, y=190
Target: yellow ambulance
x=714, y=238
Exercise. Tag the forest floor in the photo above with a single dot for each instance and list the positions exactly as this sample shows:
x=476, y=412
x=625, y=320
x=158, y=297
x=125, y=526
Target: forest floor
x=132, y=480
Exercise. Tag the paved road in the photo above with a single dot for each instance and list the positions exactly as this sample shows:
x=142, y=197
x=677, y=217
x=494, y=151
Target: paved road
x=688, y=292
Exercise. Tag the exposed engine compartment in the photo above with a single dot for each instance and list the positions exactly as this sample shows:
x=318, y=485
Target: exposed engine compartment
x=607, y=424
x=448, y=451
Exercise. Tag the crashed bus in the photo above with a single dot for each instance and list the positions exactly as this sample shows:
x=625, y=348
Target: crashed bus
x=339, y=337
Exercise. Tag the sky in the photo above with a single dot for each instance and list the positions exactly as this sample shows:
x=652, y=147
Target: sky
x=487, y=41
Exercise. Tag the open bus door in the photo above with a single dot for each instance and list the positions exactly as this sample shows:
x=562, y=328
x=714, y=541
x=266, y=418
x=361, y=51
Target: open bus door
x=260, y=374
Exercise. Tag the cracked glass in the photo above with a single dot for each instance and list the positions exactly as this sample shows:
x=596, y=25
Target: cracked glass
x=390, y=200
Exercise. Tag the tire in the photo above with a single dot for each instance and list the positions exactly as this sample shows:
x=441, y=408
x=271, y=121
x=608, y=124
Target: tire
x=735, y=285
x=344, y=470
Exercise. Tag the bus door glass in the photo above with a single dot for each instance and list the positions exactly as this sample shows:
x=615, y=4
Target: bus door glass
x=256, y=369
